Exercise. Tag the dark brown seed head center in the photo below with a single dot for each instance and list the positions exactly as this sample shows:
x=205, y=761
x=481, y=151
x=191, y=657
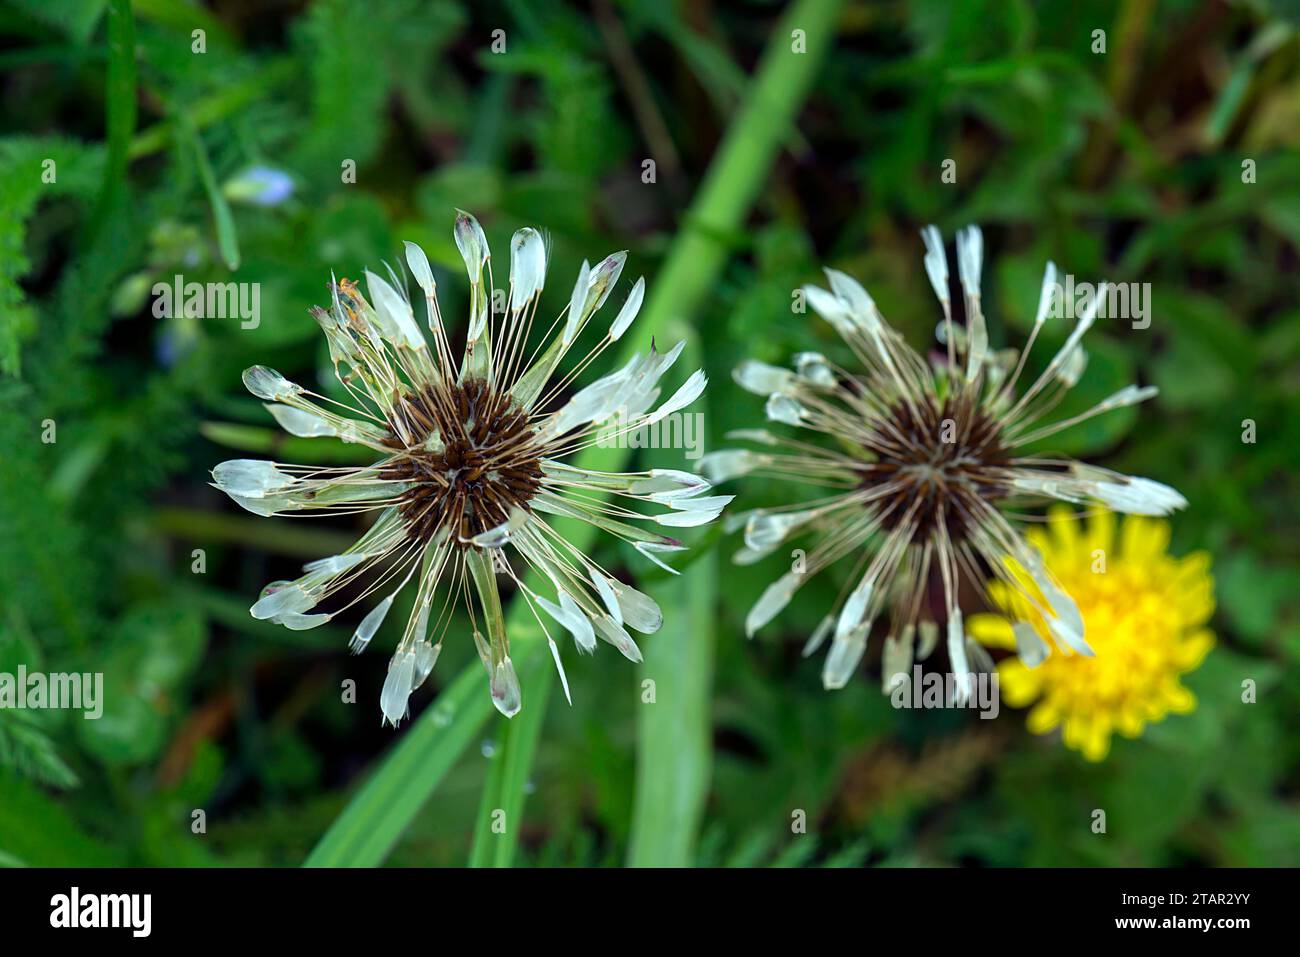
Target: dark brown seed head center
x=482, y=465
x=939, y=461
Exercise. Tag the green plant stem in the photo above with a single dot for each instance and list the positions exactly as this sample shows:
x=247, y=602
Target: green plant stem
x=120, y=92
x=674, y=748
x=374, y=820
x=284, y=537
x=743, y=160
x=223, y=221
x=282, y=447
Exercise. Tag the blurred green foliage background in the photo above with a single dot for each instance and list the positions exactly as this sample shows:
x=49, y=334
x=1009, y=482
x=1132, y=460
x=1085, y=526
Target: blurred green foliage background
x=1124, y=165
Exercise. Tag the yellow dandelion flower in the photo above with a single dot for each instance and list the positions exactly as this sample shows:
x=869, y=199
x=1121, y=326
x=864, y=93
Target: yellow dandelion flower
x=1145, y=614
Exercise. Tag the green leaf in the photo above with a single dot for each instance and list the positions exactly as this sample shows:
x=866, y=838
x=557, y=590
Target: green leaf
x=150, y=652
x=27, y=749
x=1253, y=594
x=35, y=831
x=32, y=169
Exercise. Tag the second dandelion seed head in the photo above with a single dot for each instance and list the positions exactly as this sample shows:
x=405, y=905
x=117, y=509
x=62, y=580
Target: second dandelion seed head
x=939, y=462
x=925, y=470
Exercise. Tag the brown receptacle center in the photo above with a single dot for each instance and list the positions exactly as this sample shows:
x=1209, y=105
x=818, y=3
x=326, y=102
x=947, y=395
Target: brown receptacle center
x=487, y=466
x=952, y=460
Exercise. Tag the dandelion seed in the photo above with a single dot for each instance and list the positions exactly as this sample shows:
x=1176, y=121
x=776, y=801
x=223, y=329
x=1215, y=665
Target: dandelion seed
x=1145, y=611
x=470, y=462
x=925, y=472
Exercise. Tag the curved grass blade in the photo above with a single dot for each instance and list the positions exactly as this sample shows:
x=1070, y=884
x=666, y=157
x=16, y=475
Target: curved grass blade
x=223, y=221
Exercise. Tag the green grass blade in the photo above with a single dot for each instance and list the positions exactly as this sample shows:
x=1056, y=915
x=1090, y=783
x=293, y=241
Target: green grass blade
x=674, y=731
x=500, y=813
x=379, y=813
x=120, y=93
x=674, y=726
x=377, y=816
x=222, y=219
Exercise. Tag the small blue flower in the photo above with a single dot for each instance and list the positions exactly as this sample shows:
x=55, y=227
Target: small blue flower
x=260, y=185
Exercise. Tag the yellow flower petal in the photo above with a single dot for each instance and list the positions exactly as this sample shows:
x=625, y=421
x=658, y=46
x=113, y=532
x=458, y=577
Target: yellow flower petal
x=1130, y=723
x=1096, y=743
x=1143, y=539
x=1040, y=540
x=1101, y=532
x=992, y=631
x=1179, y=699
x=1044, y=718
x=1065, y=534
x=1193, y=651
x=1075, y=731
x=1019, y=685
x=1195, y=588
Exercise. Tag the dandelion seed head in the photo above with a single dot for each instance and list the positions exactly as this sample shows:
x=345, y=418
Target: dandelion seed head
x=925, y=471
x=472, y=463
x=471, y=460
x=939, y=481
